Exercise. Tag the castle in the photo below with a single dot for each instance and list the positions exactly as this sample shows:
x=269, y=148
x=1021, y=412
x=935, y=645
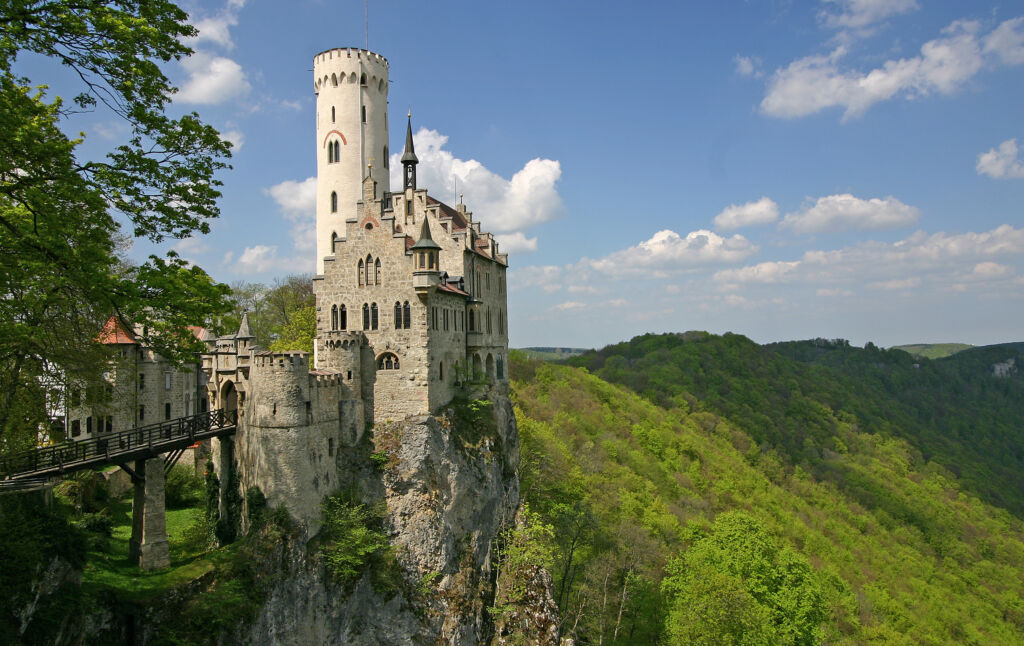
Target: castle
x=410, y=304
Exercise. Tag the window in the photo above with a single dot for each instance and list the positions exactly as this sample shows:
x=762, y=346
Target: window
x=334, y=317
x=332, y=114
x=387, y=163
x=342, y=318
x=142, y=413
x=330, y=153
x=76, y=428
x=501, y=367
x=501, y=284
x=330, y=446
x=364, y=114
x=142, y=381
x=334, y=202
x=487, y=280
x=446, y=319
x=369, y=268
x=440, y=370
x=387, y=361
x=88, y=425
x=472, y=321
x=362, y=79
x=366, y=316
x=398, y=315
x=167, y=381
x=167, y=411
x=110, y=424
x=406, y=315
x=334, y=241
x=376, y=271
x=362, y=269
x=489, y=330
x=334, y=80
x=501, y=322
x=76, y=397
x=373, y=316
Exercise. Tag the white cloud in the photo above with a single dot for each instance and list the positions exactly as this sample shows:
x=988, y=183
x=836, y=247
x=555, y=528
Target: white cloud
x=1002, y=162
x=190, y=247
x=501, y=205
x=734, y=216
x=815, y=83
x=212, y=79
x=542, y=276
x=1007, y=41
x=896, y=283
x=764, y=272
x=666, y=251
x=829, y=292
x=257, y=259
x=297, y=200
x=215, y=29
x=570, y=305
x=516, y=243
x=845, y=212
x=989, y=269
x=748, y=66
x=236, y=137
x=858, y=14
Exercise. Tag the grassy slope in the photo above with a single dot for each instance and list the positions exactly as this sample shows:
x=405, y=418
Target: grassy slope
x=933, y=350
x=914, y=560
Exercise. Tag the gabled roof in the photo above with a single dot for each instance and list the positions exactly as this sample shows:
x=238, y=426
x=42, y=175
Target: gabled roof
x=459, y=220
x=114, y=332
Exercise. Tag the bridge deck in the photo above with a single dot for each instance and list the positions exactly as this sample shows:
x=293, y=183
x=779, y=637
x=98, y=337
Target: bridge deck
x=140, y=443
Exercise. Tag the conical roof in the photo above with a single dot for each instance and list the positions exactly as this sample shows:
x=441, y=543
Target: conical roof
x=243, y=329
x=425, y=241
x=409, y=156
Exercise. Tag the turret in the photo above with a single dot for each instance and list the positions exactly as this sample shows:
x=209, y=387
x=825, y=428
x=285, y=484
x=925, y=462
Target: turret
x=426, y=272
x=409, y=159
x=351, y=87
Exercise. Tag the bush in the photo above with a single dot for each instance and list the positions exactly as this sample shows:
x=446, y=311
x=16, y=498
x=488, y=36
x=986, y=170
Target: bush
x=184, y=488
x=352, y=539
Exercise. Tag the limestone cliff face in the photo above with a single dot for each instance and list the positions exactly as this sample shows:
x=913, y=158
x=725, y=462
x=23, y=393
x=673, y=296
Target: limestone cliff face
x=449, y=487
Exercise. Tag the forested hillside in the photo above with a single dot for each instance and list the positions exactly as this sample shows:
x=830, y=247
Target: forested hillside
x=741, y=508
x=952, y=411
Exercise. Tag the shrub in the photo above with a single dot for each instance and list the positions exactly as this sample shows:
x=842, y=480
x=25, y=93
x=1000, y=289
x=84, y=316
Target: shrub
x=184, y=487
x=352, y=539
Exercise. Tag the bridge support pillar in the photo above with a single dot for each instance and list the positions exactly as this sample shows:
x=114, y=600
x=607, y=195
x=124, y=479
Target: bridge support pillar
x=148, y=545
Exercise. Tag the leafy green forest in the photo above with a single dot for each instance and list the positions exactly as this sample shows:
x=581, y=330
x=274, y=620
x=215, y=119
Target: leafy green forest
x=703, y=489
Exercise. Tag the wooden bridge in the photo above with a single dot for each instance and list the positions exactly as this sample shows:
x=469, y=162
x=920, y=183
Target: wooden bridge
x=142, y=446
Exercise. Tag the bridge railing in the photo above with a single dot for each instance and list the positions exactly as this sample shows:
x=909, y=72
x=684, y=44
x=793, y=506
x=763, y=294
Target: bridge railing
x=107, y=447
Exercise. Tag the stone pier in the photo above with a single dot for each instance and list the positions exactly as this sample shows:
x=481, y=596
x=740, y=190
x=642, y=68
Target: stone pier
x=148, y=546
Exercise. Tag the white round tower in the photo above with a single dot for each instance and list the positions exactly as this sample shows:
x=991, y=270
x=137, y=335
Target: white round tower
x=351, y=88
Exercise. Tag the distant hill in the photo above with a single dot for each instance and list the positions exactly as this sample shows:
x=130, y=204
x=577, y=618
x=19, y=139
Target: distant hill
x=790, y=494
x=787, y=396
x=933, y=350
x=551, y=353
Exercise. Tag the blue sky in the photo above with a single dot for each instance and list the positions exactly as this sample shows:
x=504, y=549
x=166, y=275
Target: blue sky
x=784, y=170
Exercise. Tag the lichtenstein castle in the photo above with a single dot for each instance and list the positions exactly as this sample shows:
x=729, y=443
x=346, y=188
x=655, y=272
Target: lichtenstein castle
x=410, y=303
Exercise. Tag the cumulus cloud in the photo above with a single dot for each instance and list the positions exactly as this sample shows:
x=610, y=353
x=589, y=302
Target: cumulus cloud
x=1002, y=162
x=666, y=252
x=569, y=305
x=989, y=269
x=501, y=205
x=734, y=216
x=257, y=259
x=879, y=264
x=212, y=79
x=815, y=83
x=858, y=14
x=215, y=29
x=297, y=200
x=236, y=137
x=845, y=212
x=516, y=242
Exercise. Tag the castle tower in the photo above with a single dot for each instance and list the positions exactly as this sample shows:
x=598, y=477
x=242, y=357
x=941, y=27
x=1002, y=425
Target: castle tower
x=351, y=88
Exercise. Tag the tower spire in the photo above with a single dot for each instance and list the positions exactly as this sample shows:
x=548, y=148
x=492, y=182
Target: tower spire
x=409, y=159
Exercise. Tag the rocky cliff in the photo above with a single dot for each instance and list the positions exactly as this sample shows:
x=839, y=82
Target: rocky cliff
x=449, y=486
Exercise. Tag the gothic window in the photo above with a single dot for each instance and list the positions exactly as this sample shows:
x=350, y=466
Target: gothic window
x=362, y=80
x=334, y=202
x=337, y=151
x=366, y=316
x=369, y=268
x=332, y=114
x=167, y=411
x=376, y=272
x=362, y=269
x=334, y=317
x=406, y=315
x=334, y=80
x=342, y=318
x=387, y=361
x=472, y=321
x=398, y=315
x=330, y=153
x=489, y=330
x=334, y=241
x=373, y=316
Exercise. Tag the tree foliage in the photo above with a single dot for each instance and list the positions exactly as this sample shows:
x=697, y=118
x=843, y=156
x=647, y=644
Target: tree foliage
x=64, y=221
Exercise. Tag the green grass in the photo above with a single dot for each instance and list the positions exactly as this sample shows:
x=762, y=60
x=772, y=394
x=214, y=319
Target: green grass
x=108, y=566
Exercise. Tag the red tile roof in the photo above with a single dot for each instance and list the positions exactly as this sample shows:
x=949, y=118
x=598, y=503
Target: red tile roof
x=451, y=288
x=459, y=220
x=115, y=331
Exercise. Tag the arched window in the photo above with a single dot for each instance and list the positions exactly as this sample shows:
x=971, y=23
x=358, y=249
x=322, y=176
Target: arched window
x=376, y=271
x=342, y=318
x=337, y=151
x=369, y=268
x=362, y=271
x=398, y=315
x=364, y=114
x=362, y=80
x=332, y=114
x=330, y=153
x=366, y=316
x=406, y=315
x=472, y=321
x=334, y=80
x=334, y=317
x=373, y=316
x=334, y=241
x=489, y=329
x=501, y=367
x=334, y=201
x=387, y=361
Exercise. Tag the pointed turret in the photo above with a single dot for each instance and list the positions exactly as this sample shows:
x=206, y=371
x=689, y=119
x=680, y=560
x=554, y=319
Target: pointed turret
x=243, y=328
x=409, y=159
x=426, y=261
